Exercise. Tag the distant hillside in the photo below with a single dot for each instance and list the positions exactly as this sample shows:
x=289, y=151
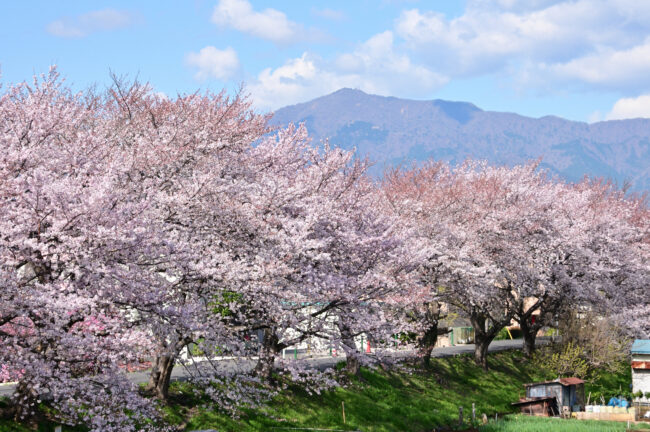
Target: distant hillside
x=392, y=130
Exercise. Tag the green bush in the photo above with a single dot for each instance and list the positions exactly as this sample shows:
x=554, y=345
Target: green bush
x=564, y=363
x=505, y=335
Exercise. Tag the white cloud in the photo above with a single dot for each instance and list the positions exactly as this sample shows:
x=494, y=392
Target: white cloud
x=537, y=45
x=387, y=69
x=269, y=24
x=373, y=66
x=630, y=108
x=535, y=42
x=299, y=79
x=485, y=40
x=213, y=63
x=610, y=68
x=91, y=22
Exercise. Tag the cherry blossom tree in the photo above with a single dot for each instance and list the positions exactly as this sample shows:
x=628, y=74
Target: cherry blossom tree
x=492, y=241
x=457, y=213
x=191, y=166
x=513, y=243
x=616, y=250
x=250, y=230
x=62, y=221
x=339, y=255
x=403, y=194
x=536, y=243
x=125, y=219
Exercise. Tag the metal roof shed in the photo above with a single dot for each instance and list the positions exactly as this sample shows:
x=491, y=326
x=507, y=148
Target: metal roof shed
x=568, y=392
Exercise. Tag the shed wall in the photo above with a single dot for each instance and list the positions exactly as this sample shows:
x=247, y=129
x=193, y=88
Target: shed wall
x=547, y=390
x=640, y=380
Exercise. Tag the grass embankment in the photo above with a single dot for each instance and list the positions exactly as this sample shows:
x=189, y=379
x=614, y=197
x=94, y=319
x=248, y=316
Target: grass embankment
x=398, y=400
x=404, y=399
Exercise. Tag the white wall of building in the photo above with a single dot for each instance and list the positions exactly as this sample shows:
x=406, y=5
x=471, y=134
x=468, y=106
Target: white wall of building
x=641, y=377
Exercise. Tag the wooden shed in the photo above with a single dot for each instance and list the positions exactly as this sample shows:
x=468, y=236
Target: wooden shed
x=538, y=406
x=550, y=398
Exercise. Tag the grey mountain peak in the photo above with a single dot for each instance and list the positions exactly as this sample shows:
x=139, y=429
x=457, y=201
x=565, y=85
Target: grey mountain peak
x=391, y=130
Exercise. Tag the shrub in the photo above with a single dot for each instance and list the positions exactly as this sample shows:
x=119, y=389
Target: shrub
x=568, y=361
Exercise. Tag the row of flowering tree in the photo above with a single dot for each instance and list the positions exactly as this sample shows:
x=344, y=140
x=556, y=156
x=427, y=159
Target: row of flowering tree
x=138, y=227
x=135, y=226
x=505, y=244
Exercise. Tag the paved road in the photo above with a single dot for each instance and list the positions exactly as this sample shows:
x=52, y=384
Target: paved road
x=180, y=373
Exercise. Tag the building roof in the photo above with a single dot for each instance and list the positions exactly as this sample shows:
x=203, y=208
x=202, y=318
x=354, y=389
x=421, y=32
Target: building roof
x=641, y=346
x=533, y=400
x=571, y=381
x=563, y=381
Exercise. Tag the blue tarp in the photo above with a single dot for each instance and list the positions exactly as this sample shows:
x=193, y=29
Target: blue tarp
x=616, y=402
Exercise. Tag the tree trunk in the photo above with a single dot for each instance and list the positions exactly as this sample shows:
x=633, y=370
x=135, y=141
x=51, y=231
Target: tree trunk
x=353, y=365
x=268, y=351
x=481, y=345
x=425, y=354
x=530, y=334
x=426, y=344
x=484, y=334
x=161, y=373
x=529, y=344
x=21, y=411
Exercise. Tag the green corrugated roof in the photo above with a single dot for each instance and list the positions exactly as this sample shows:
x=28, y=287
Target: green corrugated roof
x=641, y=346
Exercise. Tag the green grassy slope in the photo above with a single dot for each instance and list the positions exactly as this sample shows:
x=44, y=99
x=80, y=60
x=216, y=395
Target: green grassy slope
x=402, y=399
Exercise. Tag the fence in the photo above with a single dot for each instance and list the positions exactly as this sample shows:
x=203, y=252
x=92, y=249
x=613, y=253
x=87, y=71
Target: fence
x=642, y=411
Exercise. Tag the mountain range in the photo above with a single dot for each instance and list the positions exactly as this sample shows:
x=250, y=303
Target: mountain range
x=395, y=131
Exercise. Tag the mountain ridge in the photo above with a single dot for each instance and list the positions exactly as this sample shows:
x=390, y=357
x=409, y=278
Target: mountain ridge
x=392, y=130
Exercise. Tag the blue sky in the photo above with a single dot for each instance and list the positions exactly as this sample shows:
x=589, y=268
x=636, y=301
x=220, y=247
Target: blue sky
x=585, y=60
